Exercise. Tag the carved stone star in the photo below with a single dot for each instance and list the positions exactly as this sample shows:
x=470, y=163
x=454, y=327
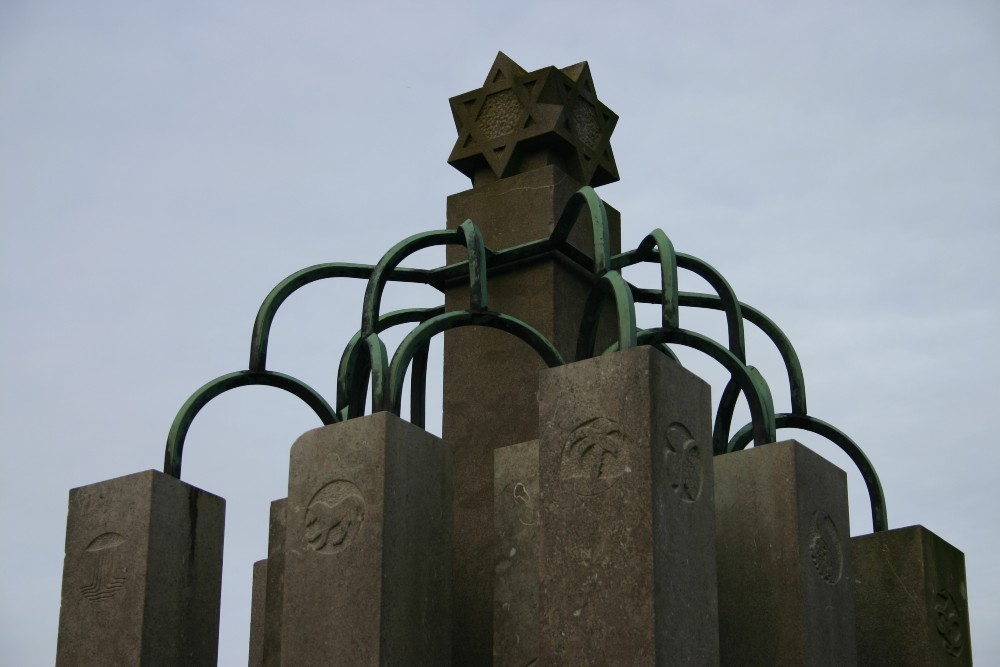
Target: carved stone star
x=521, y=120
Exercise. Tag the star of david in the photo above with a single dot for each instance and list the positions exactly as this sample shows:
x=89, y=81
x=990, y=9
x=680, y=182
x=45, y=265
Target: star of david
x=518, y=113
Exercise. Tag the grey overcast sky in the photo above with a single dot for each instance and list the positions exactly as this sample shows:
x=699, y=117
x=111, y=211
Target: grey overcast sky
x=163, y=165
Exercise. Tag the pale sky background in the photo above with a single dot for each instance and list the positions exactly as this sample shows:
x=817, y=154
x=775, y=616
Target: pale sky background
x=163, y=165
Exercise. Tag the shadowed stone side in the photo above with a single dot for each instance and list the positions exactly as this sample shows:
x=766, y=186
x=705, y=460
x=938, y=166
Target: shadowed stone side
x=518, y=525
x=912, y=600
x=367, y=547
x=142, y=574
x=782, y=525
x=628, y=545
x=257, y=612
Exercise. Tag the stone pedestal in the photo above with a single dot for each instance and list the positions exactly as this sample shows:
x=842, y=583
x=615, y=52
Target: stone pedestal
x=912, y=600
x=785, y=592
x=518, y=545
x=368, y=546
x=257, y=612
x=275, y=585
x=142, y=574
x=628, y=546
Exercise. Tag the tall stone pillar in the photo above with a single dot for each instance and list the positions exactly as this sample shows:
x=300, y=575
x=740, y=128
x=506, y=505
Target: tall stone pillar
x=782, y=530
x=528, y=141
x=142, y=574
x=366, y=547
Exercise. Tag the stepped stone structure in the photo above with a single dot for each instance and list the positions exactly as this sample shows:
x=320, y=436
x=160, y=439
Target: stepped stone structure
x=587, y=503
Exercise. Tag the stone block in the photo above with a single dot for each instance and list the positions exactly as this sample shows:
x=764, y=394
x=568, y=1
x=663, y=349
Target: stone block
x=628, y=545
x=518, y=543
x=368, y=546
x=257, y=611
x=142, y=574
x=912, y=600
x=782, y=524
x=274, y=597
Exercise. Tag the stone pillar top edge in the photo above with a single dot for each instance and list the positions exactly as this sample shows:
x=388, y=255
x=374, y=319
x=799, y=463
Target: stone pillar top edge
x=150, y=473
x=519, y=121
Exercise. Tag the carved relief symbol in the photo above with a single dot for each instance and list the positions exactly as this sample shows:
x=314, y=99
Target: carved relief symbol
x=684, y=463
x=825, y=549
x=334, y=517
x=949, y=623
x=595, y=456
x=108, y=573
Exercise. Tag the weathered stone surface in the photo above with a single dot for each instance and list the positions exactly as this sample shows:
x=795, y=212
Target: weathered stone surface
x=367, y=546
x=142, y=574
x=628, y=546
x=785, y=592
x=911, y=599
x=490, y=377
x=257, y=612
x=518, y=525
x=275, y=595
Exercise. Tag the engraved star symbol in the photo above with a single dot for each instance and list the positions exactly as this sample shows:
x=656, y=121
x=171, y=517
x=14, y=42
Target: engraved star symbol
x=517, y=113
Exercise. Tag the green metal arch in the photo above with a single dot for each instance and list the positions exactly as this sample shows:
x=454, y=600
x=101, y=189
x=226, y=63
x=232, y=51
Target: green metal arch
x=200, y=398
x=586, y=196
x=611, y=283
x=876, y=496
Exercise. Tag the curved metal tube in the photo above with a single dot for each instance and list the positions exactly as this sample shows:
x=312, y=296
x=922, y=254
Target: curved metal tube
x=355, y=369
x=668, y=275
x=880, y=519
x=199, y=399
x=598, y=222
x=731, y=305
x=424, y=332
x=750, y=381
x=466, y=234
x=610, y=283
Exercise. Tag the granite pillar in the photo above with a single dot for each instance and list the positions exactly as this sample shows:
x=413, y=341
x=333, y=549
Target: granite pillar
x=628, y=543
x=785, y=591
x=258, y=605
x=142, y=574
x=274, y=594
x=912, y=600
x=367, y=547
x=518, y=543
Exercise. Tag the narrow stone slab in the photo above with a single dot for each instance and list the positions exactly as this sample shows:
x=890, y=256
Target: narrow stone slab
x=785, y=592
x=518, y=546
x=368, y=546
x=275, y=595
x=257, y=612
x=142, y=574
x=628, y=550
x=911, y=598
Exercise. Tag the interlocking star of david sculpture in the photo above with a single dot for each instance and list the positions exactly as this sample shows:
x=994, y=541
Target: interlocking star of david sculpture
x=518, y=118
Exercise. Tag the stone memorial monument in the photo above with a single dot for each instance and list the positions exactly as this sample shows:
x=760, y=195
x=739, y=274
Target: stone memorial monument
x=587, y=503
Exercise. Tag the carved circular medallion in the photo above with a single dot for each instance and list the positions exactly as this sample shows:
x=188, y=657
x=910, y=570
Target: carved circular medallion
x=949, y=623
x=825, y=549
x=684, y=466
x=334, y=517
x=595, y=456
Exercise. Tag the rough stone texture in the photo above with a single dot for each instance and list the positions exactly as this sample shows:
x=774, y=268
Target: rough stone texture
x=367, y=546
x=628, y=546
x=490, y=377
x=274, y=597
x=911, y=599
x=518, y=525
x=257, y=611
x=142, y=574
x=785, y=593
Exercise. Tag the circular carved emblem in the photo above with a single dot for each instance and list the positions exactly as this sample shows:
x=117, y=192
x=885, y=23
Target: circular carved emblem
x=595, y=455
x=949, y=623
x=825, y=549
x=108, y=573
x=334, y=517
x=684, y=466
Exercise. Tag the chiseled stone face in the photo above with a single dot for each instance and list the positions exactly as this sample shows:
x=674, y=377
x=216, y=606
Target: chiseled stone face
x=627, y=569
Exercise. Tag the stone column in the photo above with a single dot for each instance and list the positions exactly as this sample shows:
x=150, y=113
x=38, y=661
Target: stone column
x=142, y=574
x=258, y=604
x=785, y=592
x=528, y=141
x=367, y=547
x=628, y=545
x=912, y=600
x=275, y=585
